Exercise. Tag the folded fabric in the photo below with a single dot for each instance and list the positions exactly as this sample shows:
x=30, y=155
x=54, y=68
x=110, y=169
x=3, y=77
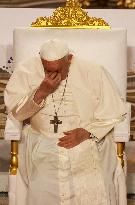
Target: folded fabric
x=13, y=129
x=122, y=130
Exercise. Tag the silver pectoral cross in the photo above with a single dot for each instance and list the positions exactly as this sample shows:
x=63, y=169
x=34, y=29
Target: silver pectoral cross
x=55, y=122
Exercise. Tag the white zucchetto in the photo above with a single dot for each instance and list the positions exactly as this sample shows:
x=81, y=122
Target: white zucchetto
x=53, y=50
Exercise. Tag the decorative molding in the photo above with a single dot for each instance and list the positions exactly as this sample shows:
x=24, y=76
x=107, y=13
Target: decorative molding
x=130, y=4
x=72, y=15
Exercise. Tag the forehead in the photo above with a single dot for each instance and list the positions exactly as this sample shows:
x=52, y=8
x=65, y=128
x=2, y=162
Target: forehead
x=55, y=62
x=53, y=65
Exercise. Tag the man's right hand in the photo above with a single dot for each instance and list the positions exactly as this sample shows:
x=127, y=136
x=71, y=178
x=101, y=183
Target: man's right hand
x=47, y=86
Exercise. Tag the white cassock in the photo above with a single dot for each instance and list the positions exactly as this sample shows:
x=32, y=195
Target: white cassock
x=88, y=174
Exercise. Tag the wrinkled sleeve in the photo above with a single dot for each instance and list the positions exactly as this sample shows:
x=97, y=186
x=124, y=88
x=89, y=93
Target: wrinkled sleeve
x=110, y=108
x=18, y=96
x=27, y=107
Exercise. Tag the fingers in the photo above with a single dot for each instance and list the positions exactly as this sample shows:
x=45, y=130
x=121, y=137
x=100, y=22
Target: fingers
x=67, y=145
x=68, y=132
x=64, y=144
x=52, y=81
x=57, y=78
x=53, y=75
x=67, y=142
x=64, y=138
x=72, y=138
x=48, y=74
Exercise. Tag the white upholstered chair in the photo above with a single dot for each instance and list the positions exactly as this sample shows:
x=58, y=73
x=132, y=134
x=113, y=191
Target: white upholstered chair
x=105, y=47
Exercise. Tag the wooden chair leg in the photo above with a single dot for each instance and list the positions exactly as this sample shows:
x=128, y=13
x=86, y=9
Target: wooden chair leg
x=14, y=157
x=120, y=151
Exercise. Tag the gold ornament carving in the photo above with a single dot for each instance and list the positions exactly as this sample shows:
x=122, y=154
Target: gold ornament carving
x=72, y=15
x=130, y=4
x=14, y=157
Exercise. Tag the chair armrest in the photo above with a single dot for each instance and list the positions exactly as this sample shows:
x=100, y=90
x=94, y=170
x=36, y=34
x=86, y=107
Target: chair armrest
x=122, y=130
x=13, y=128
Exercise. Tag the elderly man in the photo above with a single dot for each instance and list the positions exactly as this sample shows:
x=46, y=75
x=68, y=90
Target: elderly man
x=67, y=154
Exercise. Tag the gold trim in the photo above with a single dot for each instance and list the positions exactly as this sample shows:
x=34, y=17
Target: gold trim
x=74, y=27
x=14, y=157
x=120, y=151
x=73, y=16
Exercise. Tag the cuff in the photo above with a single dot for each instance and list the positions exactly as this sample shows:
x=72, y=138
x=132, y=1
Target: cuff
x=42, y=104
x=27, y=108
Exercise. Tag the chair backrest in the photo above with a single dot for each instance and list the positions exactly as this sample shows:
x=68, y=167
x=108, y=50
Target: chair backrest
x=105, y=47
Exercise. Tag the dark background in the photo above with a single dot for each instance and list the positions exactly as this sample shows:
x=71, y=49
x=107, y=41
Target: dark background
x=56, y=3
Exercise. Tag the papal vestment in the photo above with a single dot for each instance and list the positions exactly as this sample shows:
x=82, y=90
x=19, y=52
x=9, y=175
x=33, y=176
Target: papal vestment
x=88, y=174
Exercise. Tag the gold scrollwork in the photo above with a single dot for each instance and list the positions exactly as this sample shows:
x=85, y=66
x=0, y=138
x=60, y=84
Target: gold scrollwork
x=130, y=4
x=72, y=15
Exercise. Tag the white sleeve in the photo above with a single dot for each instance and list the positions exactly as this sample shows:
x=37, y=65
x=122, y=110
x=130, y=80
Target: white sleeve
x=110, y=109
x=18, y=95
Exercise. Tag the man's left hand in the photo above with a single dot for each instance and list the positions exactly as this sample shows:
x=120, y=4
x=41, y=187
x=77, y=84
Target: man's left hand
x=73, y=137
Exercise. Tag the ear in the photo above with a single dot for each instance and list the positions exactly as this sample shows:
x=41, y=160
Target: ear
x=70, y=57
x=42, y=60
